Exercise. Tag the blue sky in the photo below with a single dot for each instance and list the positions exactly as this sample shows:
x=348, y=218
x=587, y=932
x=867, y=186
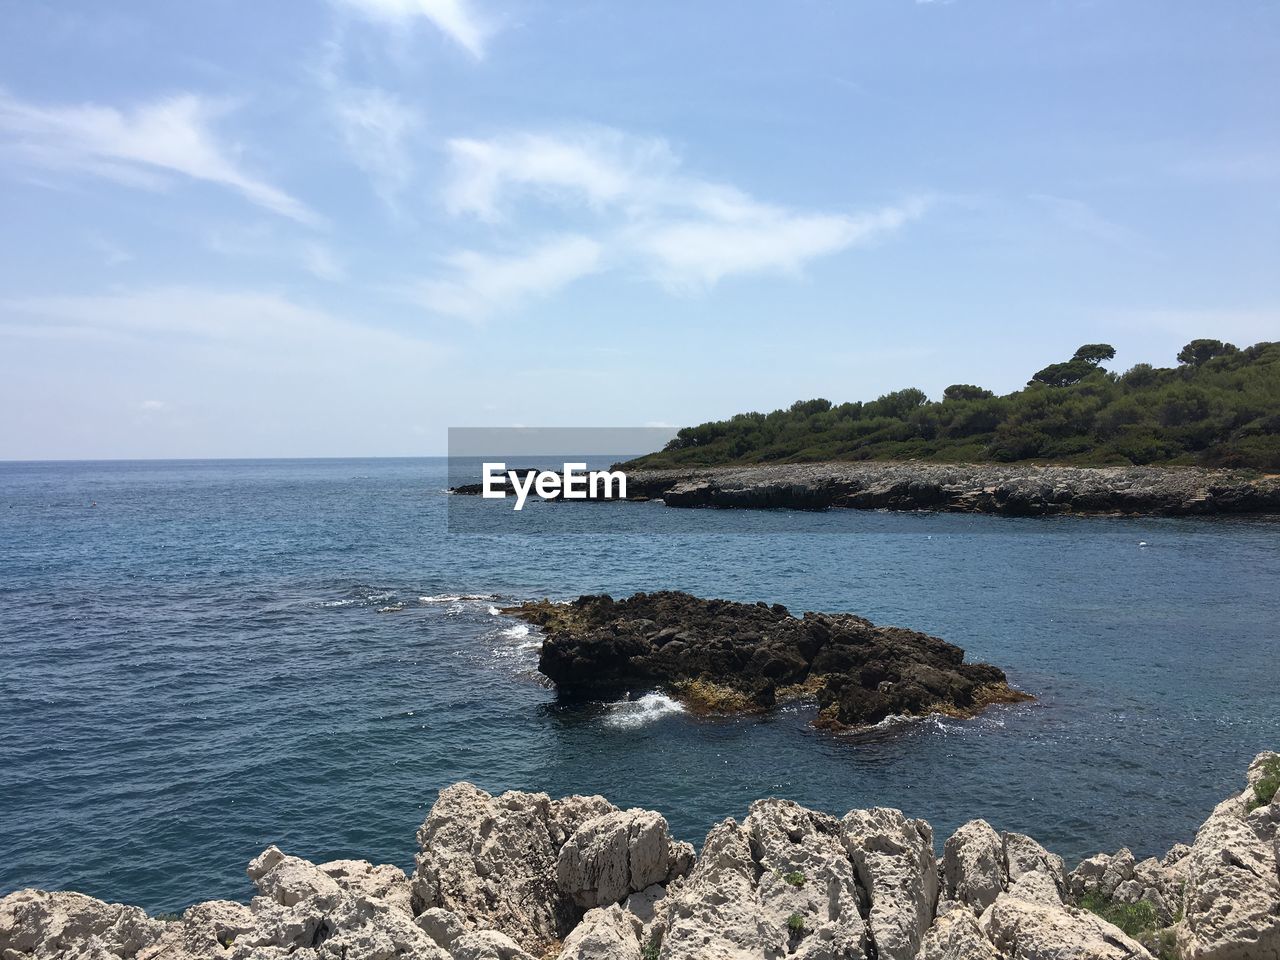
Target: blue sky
x=338, y=227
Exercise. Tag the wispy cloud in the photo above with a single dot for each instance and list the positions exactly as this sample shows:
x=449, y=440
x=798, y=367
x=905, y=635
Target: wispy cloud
x=375, y=127
x=685, y=232
x=1080, y=217
x=142, y=147
x=477, y=284
x=263, y=242
x=455, y=18
x=250, y=328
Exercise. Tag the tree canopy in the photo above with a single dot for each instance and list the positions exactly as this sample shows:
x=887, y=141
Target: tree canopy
x=1220, y=407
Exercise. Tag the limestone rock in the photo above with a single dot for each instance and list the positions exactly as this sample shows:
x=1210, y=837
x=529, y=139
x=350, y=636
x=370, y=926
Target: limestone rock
x=1233, y=889
x=442, y=926
x=897, y=868
x=487, y=945
x=528, y=867
x=620, y=853
x=603, y=934
x=1031, y=871
x=973, y=865
x=53, y=926
x=382, y=882
x=717, y=913
x=1022, y=929
x=205, y=930
x=956, y=935
x=289, y=880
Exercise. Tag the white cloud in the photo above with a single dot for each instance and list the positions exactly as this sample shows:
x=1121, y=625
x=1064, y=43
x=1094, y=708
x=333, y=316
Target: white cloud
x=478, y=284
x=141, y=147
x=375, y=128
x=455, y=18
x=252, y=328
x=597, y=166
x=320, y=261
x=697, y=254
x=152, y=406
x=685, y=232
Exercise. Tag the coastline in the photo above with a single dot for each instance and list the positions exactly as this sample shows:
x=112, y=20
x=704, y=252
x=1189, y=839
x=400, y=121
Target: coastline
x=521, y=876
x=1007, y=489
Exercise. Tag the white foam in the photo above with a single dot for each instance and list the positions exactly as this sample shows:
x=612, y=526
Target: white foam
x=494, y=611
x=516, y=632
x=455, y=597
x=636, y=713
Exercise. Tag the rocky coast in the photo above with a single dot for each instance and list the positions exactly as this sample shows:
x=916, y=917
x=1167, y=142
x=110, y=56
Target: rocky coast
x=520, y=876
x=1009, y=489
x=718, y=655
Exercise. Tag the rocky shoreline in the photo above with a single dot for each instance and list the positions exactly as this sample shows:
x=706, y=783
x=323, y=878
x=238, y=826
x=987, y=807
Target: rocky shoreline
x=523, y=877
x=1015, y=490
x=723, y=656
x=1009, y=489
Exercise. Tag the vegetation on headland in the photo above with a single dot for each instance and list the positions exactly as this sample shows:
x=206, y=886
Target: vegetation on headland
x=1219, y=407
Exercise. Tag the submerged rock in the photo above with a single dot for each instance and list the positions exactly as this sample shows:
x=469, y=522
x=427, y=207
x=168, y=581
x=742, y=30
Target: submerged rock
x=522, y=877
x=725, y=656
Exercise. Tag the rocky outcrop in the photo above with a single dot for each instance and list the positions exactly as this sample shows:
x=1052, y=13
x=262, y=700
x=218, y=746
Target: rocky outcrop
x=726, y=656
x=1010, y=489
x=1232, y=898
x=522, y=877
x=529, y=866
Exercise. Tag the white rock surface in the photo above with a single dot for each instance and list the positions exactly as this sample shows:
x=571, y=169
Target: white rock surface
x=973, y=866
x=896, y=866
x=1232, y=883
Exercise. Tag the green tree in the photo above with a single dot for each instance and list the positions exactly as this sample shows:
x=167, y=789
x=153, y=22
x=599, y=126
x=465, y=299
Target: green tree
x=965, y=391
x=1201, y=351
x=1095, y=353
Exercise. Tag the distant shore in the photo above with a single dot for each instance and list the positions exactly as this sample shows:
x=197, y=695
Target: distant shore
x=1012, y=489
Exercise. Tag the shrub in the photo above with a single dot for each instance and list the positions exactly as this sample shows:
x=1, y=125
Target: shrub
x=1268, y=784
x=795, y=878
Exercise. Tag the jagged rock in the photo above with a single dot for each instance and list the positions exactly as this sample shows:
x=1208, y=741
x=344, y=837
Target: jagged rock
x=289, y=880
x=1233, y=888
x=205, y=930
x=382, y=882
x=806, y=872
x=610, y=857
x=487, y=945
x=897, y=868
x=52, y=926
x=1022, y=929
x=1031, y=871
x=442, y=926
x=723, y=656
x=603, y=934
x=973, y=865
x=643, y=908
x=717, y=913
x=496, y=861
x=955, y=935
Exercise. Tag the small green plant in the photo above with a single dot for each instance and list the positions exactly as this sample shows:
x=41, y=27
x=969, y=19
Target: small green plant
x=795, y=923
x=795, y=878
x=650, y=951
x=1132, y=918
x=168, y=917
x=1264, y=790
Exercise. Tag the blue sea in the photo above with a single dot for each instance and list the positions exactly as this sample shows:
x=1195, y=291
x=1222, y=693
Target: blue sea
x=195, y=666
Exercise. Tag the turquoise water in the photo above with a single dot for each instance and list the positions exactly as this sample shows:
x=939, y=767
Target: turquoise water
x=195, y=667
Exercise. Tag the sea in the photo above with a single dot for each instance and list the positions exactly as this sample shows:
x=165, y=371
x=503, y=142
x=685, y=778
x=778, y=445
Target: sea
x=201, y=658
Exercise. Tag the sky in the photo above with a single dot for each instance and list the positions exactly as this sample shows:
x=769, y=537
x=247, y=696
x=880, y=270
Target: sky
x=340, y=227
